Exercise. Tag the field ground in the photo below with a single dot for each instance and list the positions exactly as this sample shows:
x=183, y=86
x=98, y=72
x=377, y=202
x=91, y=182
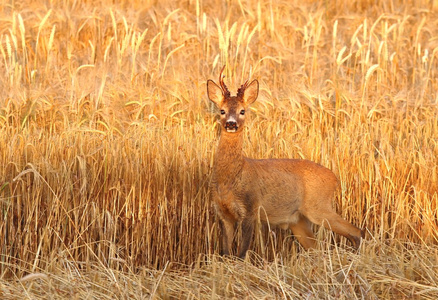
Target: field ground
x=107, y=141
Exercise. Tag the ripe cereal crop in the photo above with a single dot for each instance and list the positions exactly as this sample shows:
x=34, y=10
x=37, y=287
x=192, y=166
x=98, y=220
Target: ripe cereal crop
x=108, y=139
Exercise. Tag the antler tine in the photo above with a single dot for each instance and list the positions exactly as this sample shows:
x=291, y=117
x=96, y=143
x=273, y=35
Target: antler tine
x=222, y=84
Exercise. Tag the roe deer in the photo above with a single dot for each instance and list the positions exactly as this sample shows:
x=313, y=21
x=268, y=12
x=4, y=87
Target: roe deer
x=289, y=193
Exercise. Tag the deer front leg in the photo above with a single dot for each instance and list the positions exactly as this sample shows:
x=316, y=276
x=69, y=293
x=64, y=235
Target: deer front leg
x=247, y=231
x=227, y=227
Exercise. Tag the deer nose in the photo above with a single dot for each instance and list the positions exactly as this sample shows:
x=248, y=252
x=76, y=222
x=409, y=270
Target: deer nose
x=231, y=124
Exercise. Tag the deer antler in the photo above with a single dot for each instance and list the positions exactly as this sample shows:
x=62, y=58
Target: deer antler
x=223, y=86
x=242, y=89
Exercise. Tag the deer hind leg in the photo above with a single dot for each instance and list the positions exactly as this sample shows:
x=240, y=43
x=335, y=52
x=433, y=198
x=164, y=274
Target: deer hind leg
x=302, y=230
x=331, y=220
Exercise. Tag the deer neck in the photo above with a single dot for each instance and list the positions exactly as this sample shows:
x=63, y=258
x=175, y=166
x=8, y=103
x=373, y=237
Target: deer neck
x=229, y=157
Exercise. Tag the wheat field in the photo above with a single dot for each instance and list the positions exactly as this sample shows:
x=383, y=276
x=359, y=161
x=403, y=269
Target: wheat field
x=107, y=141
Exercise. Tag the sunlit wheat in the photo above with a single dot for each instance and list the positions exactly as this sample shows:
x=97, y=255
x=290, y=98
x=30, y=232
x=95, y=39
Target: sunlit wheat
x=107, y=141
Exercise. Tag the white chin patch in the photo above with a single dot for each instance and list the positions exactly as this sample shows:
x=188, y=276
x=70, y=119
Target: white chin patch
x=231, y=130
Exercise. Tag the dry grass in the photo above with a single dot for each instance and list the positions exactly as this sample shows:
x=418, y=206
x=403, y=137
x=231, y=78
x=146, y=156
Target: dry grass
x=107, y=141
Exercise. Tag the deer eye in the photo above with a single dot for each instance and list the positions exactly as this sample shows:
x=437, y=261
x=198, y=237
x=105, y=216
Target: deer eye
x=242, y=112
x=222, y=112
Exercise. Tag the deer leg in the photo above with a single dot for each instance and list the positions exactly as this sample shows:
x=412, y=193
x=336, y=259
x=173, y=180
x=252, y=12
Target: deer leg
x=333, y=221
x=247, y=231
x=227, y=227
x=302, y=230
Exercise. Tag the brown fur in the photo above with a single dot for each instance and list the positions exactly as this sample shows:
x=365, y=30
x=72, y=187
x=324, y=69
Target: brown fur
x=288, y=193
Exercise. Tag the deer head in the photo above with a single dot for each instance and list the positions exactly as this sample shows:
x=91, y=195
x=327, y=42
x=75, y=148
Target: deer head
x=232, y=108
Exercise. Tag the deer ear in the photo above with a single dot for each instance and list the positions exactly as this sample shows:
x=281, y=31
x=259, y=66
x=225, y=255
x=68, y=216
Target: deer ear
x=214, y=93
x=251, y=92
